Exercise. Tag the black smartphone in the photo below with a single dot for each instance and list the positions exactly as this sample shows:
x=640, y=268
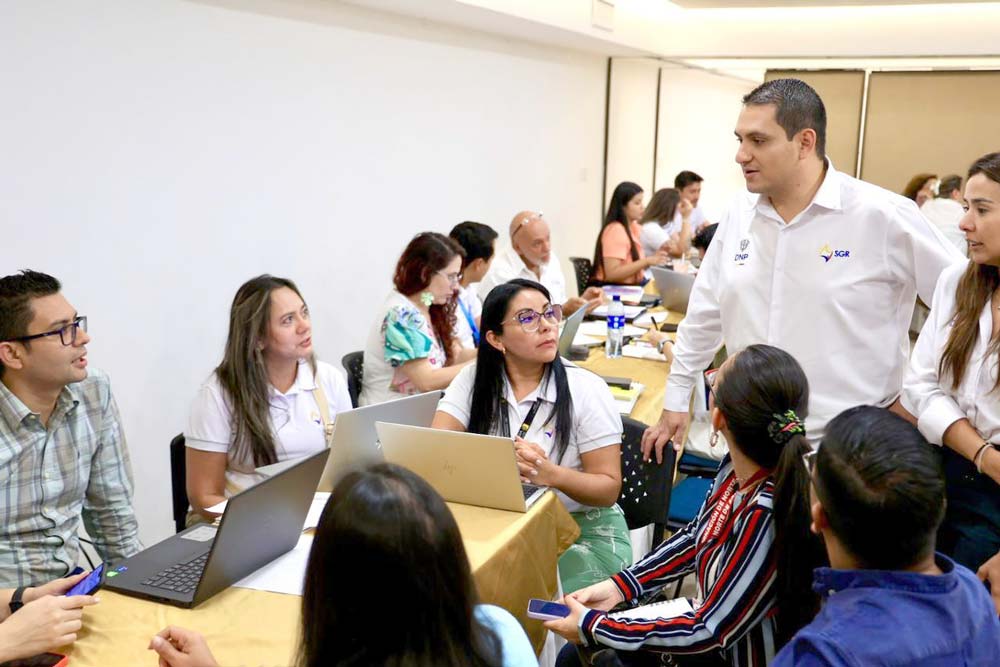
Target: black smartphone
x=90, y=583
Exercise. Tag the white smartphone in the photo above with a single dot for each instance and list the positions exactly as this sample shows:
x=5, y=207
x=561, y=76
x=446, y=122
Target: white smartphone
x=546, y=610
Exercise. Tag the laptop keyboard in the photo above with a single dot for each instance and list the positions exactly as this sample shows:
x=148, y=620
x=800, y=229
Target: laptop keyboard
x=180, y=578
x=529, y=490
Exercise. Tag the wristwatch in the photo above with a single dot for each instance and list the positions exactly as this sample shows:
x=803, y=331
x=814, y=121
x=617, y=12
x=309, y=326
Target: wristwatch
x=662, y=344
x=15, y=599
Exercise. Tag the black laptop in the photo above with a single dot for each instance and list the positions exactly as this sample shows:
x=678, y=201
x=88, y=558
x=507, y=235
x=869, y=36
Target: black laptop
x=258, y=525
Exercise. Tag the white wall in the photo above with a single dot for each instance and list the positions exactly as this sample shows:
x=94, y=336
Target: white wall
x=631, y=123
x=698, y=112
x=156, y=154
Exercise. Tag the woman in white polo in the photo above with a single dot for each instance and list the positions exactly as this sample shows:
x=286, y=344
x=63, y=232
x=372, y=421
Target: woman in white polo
x=567, y=430
x=269, y=400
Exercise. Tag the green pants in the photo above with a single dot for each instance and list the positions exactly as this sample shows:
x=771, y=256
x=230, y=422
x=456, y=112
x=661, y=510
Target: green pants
x=602, y=549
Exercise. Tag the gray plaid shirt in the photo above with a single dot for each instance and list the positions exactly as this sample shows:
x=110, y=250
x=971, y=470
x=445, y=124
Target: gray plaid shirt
x=50, y=478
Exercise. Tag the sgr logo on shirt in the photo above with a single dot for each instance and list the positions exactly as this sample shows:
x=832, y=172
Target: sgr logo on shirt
x=828, y=253
x=742, y=256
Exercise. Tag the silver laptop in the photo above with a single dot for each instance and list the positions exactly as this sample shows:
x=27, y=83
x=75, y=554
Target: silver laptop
x=464, y=468
x=674, y=288
x=355, y=444
x=569, y=331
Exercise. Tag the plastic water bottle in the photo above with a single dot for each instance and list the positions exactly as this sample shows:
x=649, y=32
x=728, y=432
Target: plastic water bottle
x=616, y=328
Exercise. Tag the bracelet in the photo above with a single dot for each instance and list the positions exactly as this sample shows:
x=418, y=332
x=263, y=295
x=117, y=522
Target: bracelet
x=977, y=460
x=662, y=344
x=15, y=600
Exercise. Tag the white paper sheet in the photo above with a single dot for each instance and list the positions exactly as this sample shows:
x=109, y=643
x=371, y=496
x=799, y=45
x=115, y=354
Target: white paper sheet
x=625, y=405
x=312, y=517
x=284, y=574
x=667, y=609
x=600, y=329
x=646, y=319
x=642, y=352
x=628, y=293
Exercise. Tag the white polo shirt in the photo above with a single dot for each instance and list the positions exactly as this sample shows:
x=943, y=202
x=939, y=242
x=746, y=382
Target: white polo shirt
x=936, y=405
x=508, y=265
x=596, y=422
x=697, y=219
x=835, y=288
x=295, y=420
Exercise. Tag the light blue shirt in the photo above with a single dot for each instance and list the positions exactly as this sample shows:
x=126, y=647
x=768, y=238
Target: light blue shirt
x=517, y=651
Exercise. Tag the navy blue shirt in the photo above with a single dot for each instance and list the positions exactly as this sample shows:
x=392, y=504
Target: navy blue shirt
x=879, y=617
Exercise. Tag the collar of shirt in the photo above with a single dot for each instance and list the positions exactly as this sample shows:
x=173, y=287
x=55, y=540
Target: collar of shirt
x=304, y=381
x=828, y=196
x=827, y=581
x=14, y=411
x=522, y=269
x=545, y=390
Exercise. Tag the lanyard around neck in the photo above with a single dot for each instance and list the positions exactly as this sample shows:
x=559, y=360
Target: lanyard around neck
x=528, y=419
x=470, y=319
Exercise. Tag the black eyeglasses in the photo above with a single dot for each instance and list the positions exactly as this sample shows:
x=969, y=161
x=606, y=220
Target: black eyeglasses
x=531, y=319
x=67, y=333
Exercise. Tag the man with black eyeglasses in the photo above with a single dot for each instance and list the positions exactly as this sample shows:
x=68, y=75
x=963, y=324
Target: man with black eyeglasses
x=62, y=448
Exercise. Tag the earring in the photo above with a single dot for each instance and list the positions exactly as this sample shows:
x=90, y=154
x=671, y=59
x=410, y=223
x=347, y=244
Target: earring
x=426, y=298
x=714, y=439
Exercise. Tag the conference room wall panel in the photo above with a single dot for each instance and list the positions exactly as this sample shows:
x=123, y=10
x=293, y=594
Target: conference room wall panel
x=936, y=122
x=842, y=92
x=159, y=153
x=698, y=113
x=631, y=123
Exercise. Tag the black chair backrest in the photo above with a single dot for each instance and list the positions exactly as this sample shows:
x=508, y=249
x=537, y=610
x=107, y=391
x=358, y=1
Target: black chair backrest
x=178, y=481
x=645, y=495
x=354, y=364
x=583, y=269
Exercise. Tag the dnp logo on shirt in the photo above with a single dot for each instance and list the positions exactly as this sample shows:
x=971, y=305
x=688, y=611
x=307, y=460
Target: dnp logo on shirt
x=742, y=256
x=828, y=253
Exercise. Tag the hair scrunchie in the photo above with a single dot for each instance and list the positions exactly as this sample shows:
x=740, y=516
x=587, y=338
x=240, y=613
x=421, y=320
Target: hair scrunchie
x=783, y=426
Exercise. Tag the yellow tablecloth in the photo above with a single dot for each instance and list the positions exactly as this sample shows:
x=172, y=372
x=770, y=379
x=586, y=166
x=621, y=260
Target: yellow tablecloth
x=513, y=558
x=653, y=374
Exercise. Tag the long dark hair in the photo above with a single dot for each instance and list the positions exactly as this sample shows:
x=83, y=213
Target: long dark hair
x=616, y=216
x=974, y=291
x=242, y=373
x=387, y=547
x=487, y=391
x=426, y=254
x=760, y=385
x=662, y=207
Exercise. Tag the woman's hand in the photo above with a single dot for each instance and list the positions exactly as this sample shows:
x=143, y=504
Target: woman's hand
x=43, y=624
x=54, y=587
x=659, y=258
x=685, y=207
x=569, y=627
x=602, y=596
x=178, y=647
x=534, y=464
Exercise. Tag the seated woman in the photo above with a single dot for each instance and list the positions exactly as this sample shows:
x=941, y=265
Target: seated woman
x=570, y=431
x=269, y=400
x=951, y=385
x=386, y=545
x=660, y=227
x=750, y=546
x=618, y=257
x=412, y=346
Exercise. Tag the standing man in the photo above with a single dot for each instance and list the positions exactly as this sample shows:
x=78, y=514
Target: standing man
x=62, y=450
x=530, y=256
x=810, y=260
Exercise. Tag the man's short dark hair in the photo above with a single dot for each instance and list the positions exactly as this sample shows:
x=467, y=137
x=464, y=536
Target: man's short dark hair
x=797, y=107
x=881, y=486
x=948, y=185
x=16, y=293
x=704, y=237
x=686, y=178
x=477, y=240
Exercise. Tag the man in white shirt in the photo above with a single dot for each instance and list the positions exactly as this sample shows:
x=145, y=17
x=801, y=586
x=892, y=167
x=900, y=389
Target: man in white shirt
x=810, y=260
x=531, y=257
x=688, y=184
x=479, y=242
x=945, y=210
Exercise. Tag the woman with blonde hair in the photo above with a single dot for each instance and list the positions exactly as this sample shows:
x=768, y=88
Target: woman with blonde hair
x=269, y=400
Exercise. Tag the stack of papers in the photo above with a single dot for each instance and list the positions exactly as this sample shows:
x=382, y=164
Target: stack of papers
x=630, y=311
x=666, y=609
x=600, y=329
x=648, y=319
x=628, y=293
x=284, y=574
x=642, y=351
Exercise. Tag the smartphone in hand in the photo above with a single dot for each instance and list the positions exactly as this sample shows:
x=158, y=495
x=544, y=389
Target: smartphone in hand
x=546, y=610
x=90, y=583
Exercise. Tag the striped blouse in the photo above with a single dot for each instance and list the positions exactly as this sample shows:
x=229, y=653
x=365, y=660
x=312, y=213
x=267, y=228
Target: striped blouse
x=731, y=553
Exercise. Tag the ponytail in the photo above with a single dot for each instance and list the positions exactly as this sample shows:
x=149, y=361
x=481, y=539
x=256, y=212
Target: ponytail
x=797, y=550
